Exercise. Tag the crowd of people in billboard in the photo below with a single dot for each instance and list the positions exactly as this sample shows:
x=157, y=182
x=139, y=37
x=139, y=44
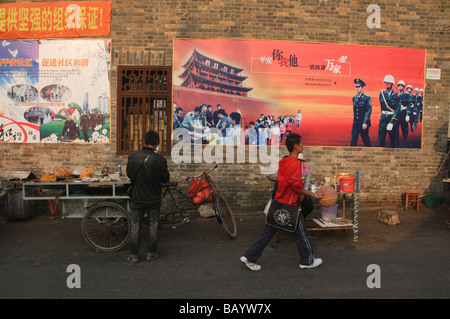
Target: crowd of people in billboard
x=219, y=127
x=401, y=111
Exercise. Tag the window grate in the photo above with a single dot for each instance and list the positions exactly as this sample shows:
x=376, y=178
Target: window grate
x=144, y=99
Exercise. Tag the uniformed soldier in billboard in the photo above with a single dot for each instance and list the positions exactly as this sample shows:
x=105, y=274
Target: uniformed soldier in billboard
x=415, y=110
x=390, y=105
x=420, y=105
x=362, y=109
x=403, y=114
x=412, y=107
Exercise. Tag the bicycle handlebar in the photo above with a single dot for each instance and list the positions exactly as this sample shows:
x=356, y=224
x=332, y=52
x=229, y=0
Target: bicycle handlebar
x=203, y=172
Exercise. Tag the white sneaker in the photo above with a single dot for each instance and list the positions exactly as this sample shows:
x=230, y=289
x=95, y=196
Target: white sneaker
x=316, y=263
x=250, y=265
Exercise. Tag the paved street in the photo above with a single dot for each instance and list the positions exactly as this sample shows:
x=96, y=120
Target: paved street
x=201, y=262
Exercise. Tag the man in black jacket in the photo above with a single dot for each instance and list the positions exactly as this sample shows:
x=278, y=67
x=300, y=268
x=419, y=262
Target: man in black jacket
x=85, y=123
x=71, y=128
x=147, y=170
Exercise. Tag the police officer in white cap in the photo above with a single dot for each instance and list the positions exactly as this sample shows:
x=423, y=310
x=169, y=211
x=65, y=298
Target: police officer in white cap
x=420, y=104
x=415, y=112
x=412, y=107
x=390, y=105
x=403, y=114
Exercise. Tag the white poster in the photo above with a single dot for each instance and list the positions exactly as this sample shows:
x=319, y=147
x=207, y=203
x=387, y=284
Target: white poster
x=55, y=91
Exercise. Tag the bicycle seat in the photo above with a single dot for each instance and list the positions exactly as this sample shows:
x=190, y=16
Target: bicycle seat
x=169, y=184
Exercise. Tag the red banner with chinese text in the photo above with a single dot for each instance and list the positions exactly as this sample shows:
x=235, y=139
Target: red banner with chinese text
x=55, y=19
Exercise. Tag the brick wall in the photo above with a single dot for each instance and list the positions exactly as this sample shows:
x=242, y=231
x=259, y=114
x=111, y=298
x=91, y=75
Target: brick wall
x=142, y=33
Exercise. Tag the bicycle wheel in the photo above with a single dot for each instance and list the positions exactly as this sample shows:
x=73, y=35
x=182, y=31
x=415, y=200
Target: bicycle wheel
x=106, y=226
x=225, y=216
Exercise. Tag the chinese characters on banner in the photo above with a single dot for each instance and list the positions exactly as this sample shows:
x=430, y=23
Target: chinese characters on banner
x=55, y=91
x=269, y=89
x=279, y=60
x=55, y=19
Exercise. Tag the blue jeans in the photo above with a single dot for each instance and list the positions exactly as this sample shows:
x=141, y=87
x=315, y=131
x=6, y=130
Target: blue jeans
x=137, y=217
x=301, y=239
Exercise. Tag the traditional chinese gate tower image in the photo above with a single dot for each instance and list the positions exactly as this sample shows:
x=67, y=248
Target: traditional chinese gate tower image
x=209, y=74
x=207, y=80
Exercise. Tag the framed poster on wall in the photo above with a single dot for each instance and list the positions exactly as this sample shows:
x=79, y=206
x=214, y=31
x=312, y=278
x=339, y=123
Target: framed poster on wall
x=257, y=92
x=55, y=91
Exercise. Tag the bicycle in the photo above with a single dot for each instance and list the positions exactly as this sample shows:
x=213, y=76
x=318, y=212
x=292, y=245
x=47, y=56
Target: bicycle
x=177, y=211
x=106, y=225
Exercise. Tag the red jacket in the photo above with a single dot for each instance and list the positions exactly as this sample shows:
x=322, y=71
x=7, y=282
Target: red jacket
x=289, y=179
x=289, y=126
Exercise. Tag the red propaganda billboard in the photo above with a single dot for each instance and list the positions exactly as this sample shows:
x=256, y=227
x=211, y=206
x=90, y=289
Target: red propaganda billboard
x=31, y=20
x=258, y=92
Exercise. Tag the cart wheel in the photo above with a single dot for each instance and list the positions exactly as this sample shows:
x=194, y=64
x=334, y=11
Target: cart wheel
x=225, y=216
x=106, y=226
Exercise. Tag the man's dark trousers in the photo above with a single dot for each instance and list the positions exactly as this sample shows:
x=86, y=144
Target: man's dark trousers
x=137, y=217
x=301, y=238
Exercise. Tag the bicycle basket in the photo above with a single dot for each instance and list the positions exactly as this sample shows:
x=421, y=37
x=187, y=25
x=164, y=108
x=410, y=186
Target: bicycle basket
x=200, y=191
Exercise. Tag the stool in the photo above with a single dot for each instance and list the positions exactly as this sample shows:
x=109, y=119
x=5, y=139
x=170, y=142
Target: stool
x=412, y=197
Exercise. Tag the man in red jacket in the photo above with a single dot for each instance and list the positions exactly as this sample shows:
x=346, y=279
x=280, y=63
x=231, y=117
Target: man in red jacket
x=290, y=186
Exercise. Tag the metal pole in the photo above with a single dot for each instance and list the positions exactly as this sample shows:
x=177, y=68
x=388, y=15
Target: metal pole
x=356, y=212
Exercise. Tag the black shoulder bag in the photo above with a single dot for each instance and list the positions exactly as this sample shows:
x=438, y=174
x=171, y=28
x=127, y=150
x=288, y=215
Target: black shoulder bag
x=283, y=216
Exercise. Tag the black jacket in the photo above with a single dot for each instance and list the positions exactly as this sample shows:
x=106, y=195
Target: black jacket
x=362, y=109
x=72, y=130
x=147, y=180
